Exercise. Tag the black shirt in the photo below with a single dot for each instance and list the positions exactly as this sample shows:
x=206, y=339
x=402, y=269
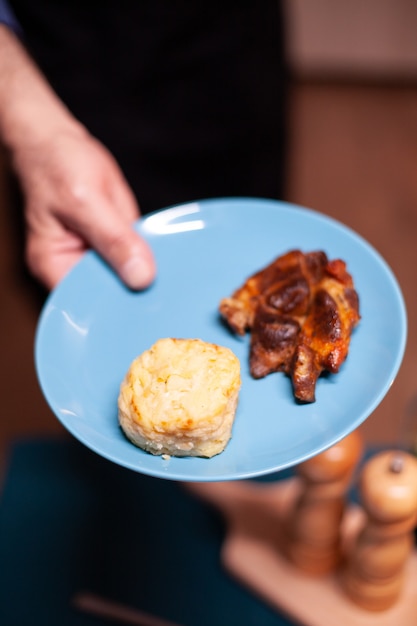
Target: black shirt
x=189, y=96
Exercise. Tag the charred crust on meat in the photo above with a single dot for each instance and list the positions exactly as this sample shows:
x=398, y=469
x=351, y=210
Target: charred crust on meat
x=301, y=310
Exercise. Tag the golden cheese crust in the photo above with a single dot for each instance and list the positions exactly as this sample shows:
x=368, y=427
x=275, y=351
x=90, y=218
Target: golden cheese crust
x=180, y=397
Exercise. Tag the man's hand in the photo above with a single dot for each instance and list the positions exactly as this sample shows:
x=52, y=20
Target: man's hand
x=75, y=194
x=77, y=198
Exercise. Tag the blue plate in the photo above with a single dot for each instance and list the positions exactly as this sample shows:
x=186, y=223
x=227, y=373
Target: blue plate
x=92, y=327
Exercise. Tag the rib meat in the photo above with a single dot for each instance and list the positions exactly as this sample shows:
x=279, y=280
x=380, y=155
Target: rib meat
x=300, y=310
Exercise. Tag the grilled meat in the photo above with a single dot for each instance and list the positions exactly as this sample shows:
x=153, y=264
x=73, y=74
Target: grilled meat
x=301, y=310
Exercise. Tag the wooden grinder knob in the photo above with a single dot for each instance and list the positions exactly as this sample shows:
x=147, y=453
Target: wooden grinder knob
x=314, y=525
x=334, y=464
x=375, y=568
x=388, y=487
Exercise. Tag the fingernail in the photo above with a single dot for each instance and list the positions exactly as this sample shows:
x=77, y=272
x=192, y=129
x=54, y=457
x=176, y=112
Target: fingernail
x=137, y=273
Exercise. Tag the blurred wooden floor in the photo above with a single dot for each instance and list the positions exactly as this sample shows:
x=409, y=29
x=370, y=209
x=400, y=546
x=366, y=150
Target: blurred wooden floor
x=353, y=156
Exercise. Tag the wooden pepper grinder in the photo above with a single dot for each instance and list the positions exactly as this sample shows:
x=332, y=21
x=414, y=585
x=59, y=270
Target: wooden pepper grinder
x=313, y=526
x=375, y=567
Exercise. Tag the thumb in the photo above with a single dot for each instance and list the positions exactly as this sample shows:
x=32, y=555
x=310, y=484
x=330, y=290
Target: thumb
x=135, y=264
x=126, y=252
x=112, y=235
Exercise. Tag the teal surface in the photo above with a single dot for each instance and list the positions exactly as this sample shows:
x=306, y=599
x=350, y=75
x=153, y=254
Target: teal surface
x=72, y=521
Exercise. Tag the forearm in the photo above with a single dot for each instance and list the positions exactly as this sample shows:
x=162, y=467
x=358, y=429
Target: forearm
x=30, y=111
